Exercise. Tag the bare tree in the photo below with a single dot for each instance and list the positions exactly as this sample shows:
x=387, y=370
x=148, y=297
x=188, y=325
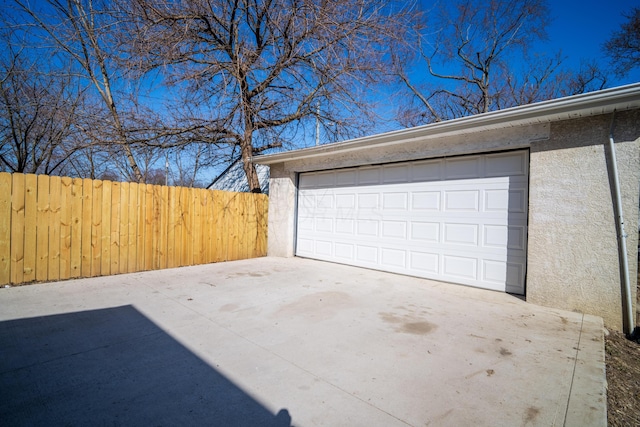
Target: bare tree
x=84, y=30
x=624, y=45
x=546, y=80
x=189, y=160
x=90, y=161
x=38, y=106
x=253, y=71
x=477, y=57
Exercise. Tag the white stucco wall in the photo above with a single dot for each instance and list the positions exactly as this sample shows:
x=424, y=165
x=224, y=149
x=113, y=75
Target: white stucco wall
x=282, y=191
x=572, y=257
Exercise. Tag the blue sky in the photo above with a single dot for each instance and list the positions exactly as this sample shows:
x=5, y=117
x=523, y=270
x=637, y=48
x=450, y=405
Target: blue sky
x=580, y=28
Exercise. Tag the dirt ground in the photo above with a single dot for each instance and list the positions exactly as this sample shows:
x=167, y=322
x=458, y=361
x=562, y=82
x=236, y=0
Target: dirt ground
x=622, y=358
x=623, y=379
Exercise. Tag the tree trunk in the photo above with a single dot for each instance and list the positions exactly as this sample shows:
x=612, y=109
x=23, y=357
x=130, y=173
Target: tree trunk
x=249, y=167
x=108, y=98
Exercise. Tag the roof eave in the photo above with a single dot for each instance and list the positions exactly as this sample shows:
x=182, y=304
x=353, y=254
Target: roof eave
x=583, y=105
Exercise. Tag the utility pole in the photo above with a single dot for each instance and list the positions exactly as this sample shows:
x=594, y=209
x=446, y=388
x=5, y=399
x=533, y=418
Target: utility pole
x=166, y=170
x=318, y=123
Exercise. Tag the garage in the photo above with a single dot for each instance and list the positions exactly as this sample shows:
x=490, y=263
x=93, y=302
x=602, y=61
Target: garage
x=459, y=219
x=528, y=200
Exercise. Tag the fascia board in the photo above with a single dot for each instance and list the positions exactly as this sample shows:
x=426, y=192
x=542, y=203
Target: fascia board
x=583, y=105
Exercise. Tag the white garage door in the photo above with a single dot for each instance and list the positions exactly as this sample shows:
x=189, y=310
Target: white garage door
x=461, y=219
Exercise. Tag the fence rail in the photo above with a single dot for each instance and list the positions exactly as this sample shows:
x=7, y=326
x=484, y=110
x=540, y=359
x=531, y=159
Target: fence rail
x=56, y=228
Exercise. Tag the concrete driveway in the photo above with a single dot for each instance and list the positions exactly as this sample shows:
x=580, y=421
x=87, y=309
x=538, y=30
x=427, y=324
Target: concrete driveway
x=292, y=342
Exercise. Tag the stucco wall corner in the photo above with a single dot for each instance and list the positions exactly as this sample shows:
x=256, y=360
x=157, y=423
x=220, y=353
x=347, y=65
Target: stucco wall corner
x=573, y=261
x=281, y=212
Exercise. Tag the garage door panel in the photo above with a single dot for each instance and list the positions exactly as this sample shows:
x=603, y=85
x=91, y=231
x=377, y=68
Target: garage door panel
x=325, y=179
x=518, y=201
x=304, y=246
x=426, y=200
x=464, y=167
x=394, y=201
x=368, y=201
x=305, y=223
x=500, y=236
x=516, y=238
x=461, y=200
x=393, y=257
x=345, y=226
x=344, y=251
x=345, y=201
x=426, y=171
x=496, y=200
x=368, y=176
x=394, y=174
x=511, y=164
x=367, y=228
x=460, y=220
x=515, y=275
x=394, y=229
x=323, y=247
x=324, y=225
x=306, y=202
x=459, y=266
x=460, y=234
x=346, y=178
x=367, y=254
x=496, y=236
x=425, y=231
x=425, y=262
x=306, y=181
x=494, y=271
x=324, y=201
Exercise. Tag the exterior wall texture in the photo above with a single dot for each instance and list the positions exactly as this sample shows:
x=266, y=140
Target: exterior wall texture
x=572, y=257
x=282, y=193
x=573, y=261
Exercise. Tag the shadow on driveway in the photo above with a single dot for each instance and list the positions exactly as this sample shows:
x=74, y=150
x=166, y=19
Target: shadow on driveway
x=114, y=366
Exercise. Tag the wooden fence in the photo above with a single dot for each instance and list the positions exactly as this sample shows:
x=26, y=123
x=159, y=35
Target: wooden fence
x=56, y=228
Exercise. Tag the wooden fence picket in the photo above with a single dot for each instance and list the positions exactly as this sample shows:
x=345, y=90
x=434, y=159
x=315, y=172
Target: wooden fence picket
x=76, y=227
x=17, y=228
x=132, y=228
x=65, y=227
x=87, y=228
x=30, y=227
x=5, y=228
